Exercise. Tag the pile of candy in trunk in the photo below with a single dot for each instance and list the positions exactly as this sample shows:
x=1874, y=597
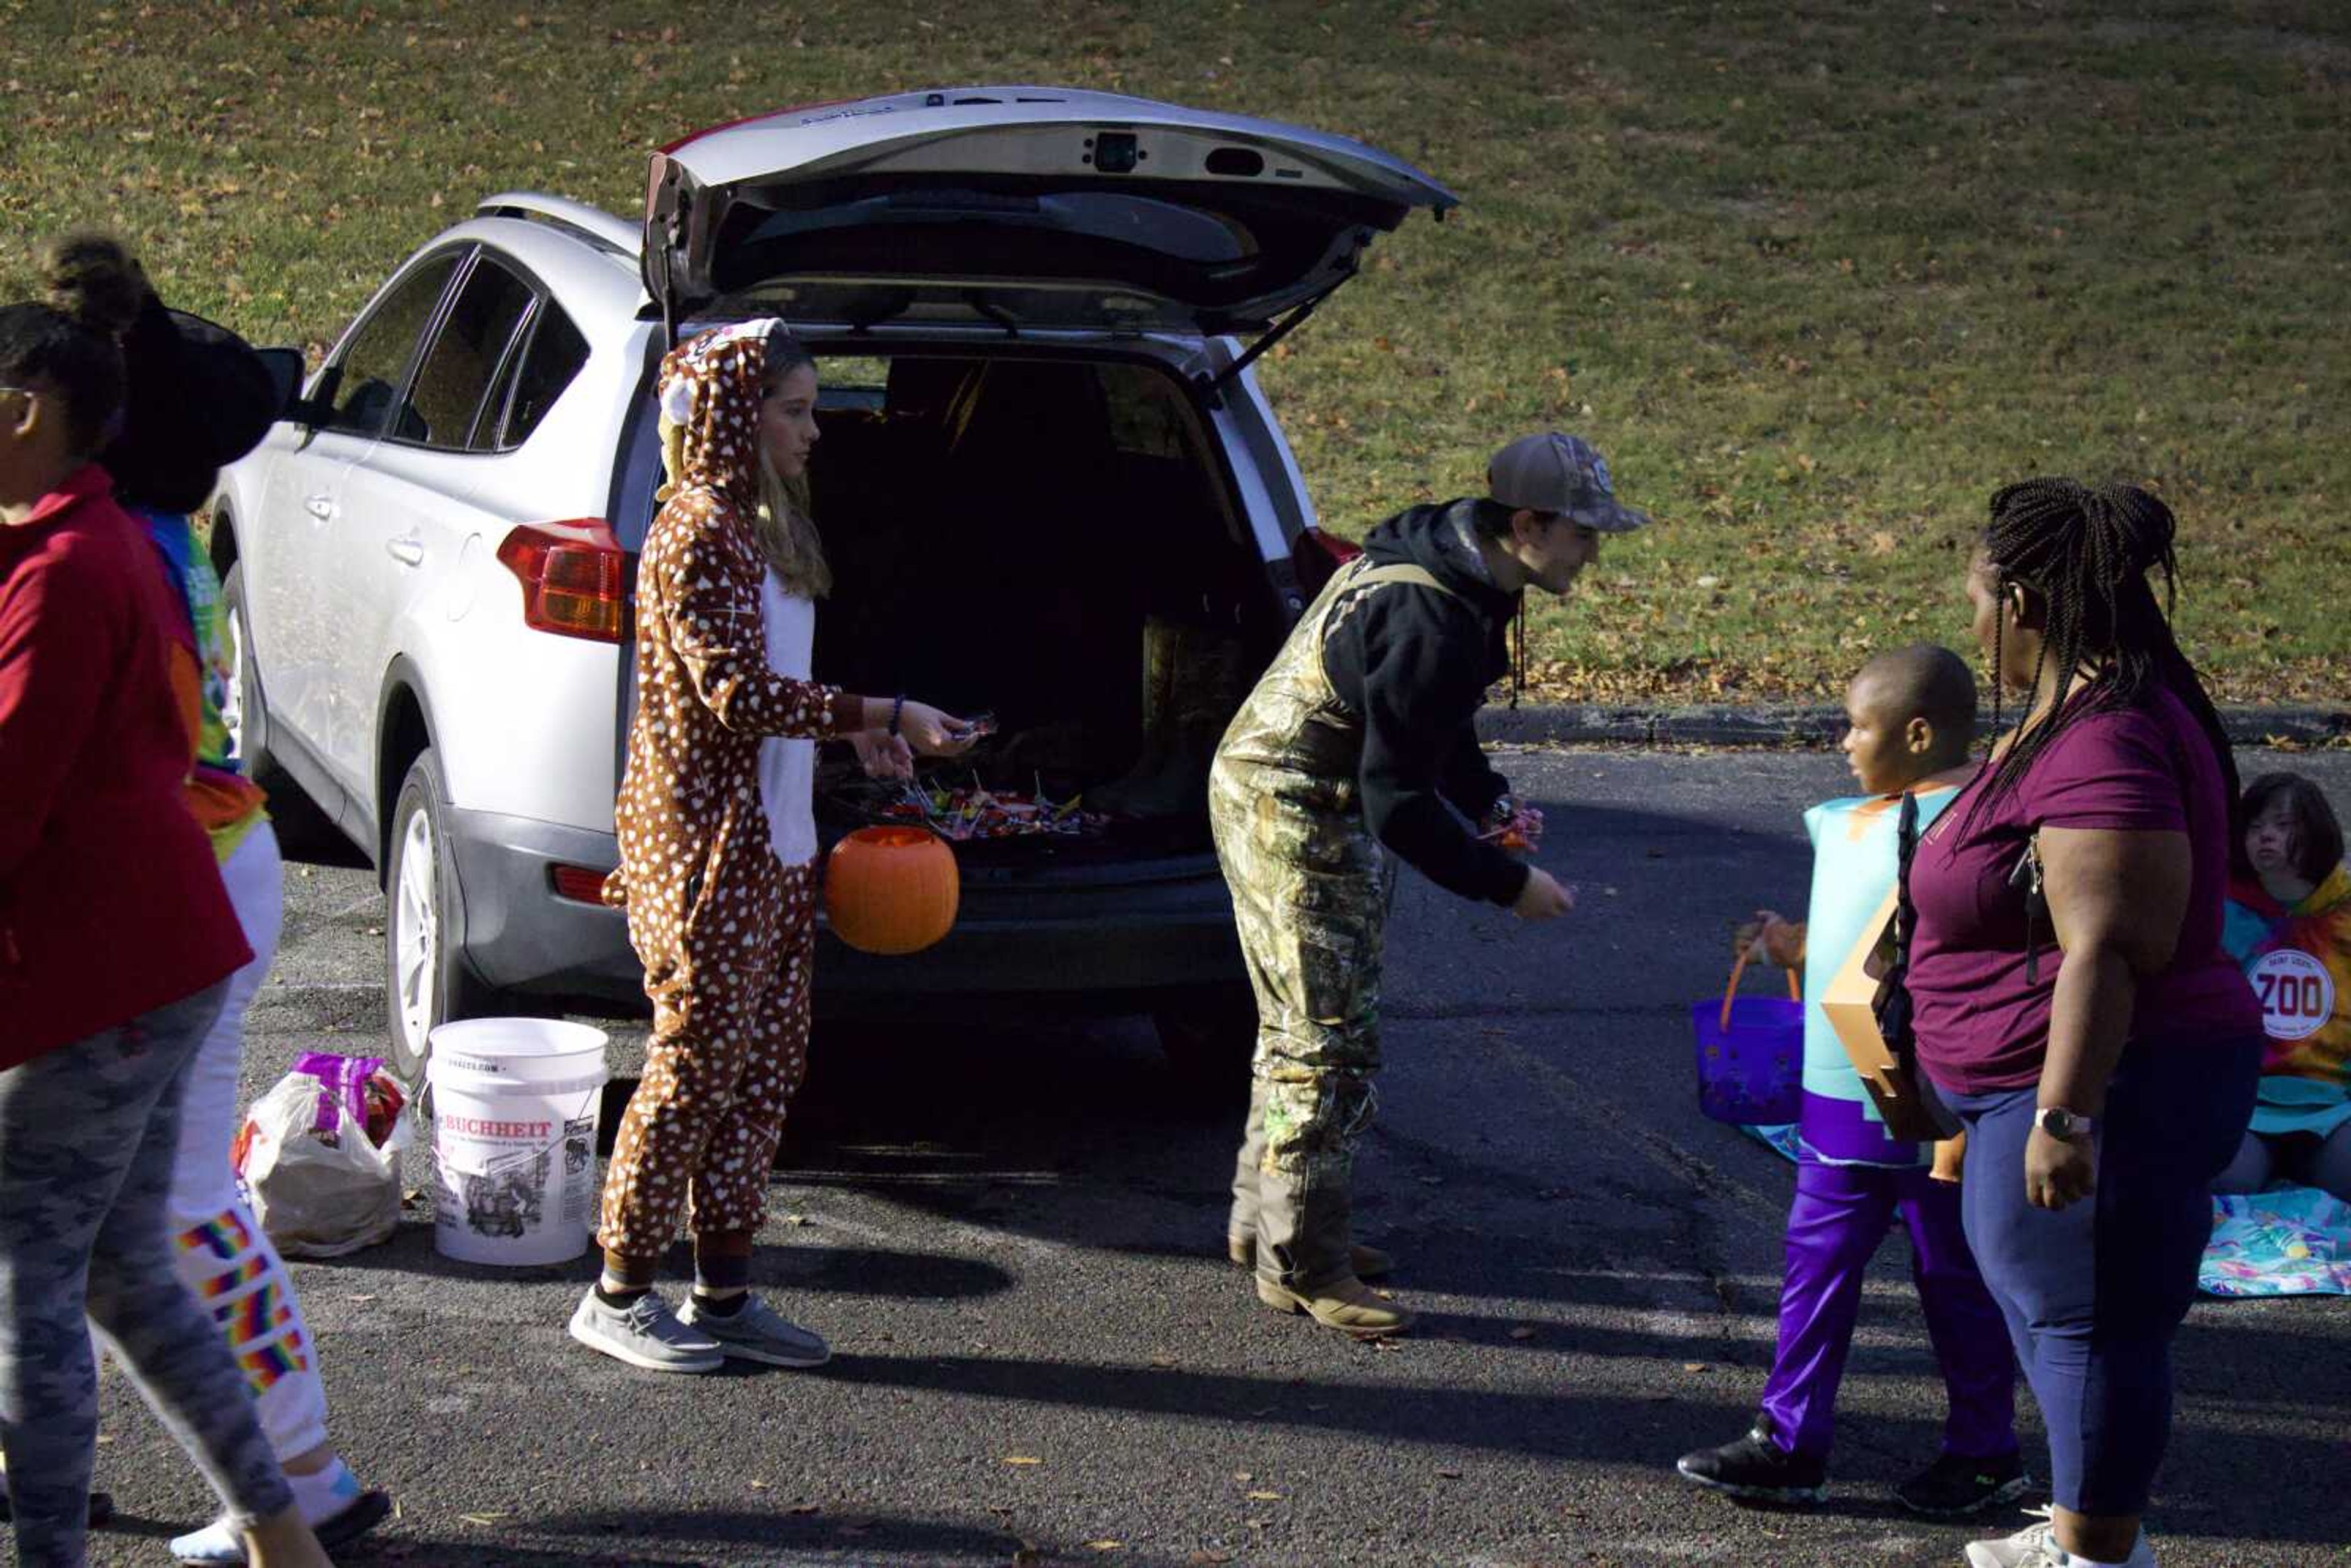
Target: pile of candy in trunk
x=966, y=811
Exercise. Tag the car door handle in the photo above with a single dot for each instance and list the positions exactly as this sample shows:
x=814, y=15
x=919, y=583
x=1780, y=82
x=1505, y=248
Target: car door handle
x=319, y=507
x=408, y=551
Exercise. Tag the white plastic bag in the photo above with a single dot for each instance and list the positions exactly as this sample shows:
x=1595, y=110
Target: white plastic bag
x=319, y=1185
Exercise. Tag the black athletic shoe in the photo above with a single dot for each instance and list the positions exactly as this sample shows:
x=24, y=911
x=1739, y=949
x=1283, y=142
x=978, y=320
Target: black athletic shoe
x=1956, y=1484
x=1757, y=1468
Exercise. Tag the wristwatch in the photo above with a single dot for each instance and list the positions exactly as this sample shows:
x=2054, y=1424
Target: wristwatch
x=2059, y=1122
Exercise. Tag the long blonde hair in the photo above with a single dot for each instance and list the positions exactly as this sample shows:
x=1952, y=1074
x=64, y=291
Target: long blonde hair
x=788, y=535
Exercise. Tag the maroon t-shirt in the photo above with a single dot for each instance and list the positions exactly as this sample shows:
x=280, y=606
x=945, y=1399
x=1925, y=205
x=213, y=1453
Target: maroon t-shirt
x=2149, y=767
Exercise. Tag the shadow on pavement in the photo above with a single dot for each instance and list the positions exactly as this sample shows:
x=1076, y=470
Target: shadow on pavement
x=849, y=1270
x=694, y=1538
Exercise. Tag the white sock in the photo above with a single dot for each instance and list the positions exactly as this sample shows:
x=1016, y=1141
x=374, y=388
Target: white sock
x=2140, y=1557
x=325, y=1493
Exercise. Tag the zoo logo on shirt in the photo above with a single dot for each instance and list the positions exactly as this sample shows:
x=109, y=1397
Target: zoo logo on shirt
x=2296, y=993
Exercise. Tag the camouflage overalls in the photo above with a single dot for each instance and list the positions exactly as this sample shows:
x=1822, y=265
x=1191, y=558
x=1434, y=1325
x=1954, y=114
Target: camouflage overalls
x=1310, y=890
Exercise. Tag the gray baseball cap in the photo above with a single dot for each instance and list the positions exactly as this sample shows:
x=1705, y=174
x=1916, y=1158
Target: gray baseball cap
x=1563, y=474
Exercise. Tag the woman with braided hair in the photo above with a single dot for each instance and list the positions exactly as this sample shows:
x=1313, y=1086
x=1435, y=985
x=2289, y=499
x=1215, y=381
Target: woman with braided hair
x=2074, y=1005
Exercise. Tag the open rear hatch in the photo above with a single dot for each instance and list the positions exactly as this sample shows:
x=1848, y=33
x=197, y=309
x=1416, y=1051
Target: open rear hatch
x=1024, y=207
x=1049, y=536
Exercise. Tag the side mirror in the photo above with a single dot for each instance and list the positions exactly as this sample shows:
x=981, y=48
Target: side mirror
x=284, y=366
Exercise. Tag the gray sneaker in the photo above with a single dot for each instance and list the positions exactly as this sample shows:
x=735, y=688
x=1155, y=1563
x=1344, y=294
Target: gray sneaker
x=757, y=1331
x=645, y=1333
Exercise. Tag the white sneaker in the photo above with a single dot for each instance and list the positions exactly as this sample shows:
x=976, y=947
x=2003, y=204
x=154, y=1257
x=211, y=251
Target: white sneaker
x=333, y=1504
x=757, y=1331
x=2035, y=1546
x=644, y=1333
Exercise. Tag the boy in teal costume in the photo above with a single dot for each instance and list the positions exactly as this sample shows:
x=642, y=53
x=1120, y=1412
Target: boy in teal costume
x=1912, y=717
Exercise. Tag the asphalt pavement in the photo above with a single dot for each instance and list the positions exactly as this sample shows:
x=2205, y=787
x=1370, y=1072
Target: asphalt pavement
x=1014, y=1239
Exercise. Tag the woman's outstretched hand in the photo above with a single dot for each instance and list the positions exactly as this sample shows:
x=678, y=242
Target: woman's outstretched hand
x=932, y=733
x=882, y=755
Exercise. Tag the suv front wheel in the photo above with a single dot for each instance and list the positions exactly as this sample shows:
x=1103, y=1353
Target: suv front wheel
x=425, y=981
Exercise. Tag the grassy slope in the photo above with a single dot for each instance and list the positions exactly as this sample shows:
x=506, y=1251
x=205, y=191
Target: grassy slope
x=1816, y=275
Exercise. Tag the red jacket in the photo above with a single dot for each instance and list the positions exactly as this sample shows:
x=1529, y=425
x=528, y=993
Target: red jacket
x=111, y=900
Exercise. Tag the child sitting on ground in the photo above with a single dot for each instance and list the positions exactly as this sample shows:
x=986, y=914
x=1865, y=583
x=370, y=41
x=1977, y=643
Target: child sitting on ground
x=1912, y=721
x=2289, y=923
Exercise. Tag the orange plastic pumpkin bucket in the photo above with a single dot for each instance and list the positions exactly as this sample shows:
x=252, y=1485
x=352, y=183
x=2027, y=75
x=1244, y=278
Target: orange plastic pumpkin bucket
x=891, y=890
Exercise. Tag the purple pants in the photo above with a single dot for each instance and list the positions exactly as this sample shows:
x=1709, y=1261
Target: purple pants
x=1840, y=1215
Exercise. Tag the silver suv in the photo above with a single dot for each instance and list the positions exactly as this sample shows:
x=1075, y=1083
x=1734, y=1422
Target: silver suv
x=1049, y=485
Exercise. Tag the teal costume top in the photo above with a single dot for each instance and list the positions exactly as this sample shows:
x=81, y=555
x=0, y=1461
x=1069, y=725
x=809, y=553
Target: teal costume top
x=1856, y=859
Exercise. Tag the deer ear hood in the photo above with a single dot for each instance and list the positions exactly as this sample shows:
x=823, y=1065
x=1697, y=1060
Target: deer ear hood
x=709, y=392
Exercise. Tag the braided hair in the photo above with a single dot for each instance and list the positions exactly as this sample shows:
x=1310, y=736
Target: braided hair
x=2088, y=554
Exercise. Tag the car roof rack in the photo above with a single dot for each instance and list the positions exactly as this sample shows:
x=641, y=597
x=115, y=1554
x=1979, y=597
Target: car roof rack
x=594, y=224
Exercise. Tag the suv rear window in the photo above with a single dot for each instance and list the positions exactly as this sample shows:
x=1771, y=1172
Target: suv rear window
x=546, y=366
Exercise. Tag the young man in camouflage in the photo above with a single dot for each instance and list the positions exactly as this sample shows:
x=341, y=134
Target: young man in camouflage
x=1356, y=748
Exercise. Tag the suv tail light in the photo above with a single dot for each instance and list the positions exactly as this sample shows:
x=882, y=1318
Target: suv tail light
x=1317, y=555
x=575, y=578
x=1341, y=551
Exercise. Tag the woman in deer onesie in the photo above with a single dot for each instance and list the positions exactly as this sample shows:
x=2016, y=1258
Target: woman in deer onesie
x=718, y=848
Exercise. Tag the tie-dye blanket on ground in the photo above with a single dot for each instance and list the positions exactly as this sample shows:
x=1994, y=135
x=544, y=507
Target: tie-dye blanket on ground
x=2288, y=1241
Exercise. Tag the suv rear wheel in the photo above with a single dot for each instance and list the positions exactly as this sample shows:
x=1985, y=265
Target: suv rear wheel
x=425, y=981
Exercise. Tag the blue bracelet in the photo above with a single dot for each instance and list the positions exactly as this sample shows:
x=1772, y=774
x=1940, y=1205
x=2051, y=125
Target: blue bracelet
x=898, y=706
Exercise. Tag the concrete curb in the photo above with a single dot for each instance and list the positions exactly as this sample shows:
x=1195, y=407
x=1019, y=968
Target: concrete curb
x=1819, y=725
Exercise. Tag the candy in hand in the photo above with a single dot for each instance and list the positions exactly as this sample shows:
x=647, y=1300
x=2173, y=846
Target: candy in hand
x=1512, y=826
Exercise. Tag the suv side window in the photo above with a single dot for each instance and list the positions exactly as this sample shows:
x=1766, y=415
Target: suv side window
x=455, y=374
x=375, y=367
x=549, y=362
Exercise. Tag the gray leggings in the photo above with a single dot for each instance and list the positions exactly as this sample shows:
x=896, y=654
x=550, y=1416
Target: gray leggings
x=2304, y=1158
x=88, y=1134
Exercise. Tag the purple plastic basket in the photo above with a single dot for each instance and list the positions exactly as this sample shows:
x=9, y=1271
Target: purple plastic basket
x=1751, y=1056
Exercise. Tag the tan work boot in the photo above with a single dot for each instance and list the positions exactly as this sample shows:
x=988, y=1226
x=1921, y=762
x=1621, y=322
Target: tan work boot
x=1345, y=1304
x=1369, y=1263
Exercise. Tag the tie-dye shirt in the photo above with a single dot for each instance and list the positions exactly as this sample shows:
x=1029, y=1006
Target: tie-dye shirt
x=224, y=799
x=2299, y=960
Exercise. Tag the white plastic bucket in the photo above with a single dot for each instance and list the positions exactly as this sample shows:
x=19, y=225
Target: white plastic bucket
x=513, y=1139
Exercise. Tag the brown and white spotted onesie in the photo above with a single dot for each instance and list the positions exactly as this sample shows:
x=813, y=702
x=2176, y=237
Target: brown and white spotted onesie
x=725, y=930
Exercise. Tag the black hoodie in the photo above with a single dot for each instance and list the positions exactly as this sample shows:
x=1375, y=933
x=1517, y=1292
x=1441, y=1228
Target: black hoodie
x=1413, y=664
